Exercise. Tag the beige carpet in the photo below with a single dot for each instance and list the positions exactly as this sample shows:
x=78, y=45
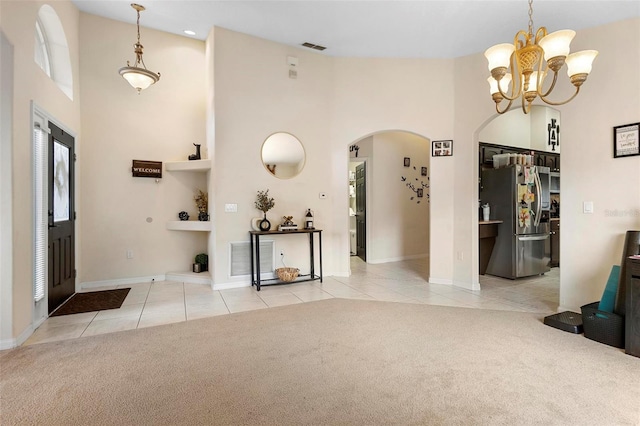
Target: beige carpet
x=328, y=362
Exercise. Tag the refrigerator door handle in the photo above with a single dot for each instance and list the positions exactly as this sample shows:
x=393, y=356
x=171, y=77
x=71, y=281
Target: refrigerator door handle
x=534, y=238
x=538, y=198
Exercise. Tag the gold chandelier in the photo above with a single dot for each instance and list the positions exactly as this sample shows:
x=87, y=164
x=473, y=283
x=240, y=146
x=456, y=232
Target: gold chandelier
x=139, y=77
x=521, y=64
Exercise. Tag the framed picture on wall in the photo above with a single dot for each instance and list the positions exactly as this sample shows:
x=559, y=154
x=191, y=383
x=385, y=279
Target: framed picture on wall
x=423, y=171
x=407, y=161
x=442, y=148
x=626, y=142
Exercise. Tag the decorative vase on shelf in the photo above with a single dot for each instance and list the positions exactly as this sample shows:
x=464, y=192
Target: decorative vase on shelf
x=265, y=225
x=203, y=216
x=183, y=215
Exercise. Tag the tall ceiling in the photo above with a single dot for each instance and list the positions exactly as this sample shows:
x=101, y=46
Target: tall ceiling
x=362, y=28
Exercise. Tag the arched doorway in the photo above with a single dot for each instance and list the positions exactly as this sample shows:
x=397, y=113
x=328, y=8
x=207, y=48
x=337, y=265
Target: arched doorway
x=514, y=133
x=394, y=171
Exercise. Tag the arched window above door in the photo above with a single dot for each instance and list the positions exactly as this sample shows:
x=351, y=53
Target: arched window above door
x=51, y=50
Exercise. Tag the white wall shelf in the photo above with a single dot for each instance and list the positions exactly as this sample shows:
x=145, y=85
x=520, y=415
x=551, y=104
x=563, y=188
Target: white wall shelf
x=189, y=225
x=188, y=166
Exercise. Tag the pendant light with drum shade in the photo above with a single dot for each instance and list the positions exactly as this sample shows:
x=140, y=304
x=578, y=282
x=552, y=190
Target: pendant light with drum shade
x=138, y=76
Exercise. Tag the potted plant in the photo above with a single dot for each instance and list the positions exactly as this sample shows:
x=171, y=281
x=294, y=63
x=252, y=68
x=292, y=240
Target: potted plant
x=264, y=204
x=202, y=263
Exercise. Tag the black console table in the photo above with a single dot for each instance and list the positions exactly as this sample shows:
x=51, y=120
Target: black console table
x=255, y=257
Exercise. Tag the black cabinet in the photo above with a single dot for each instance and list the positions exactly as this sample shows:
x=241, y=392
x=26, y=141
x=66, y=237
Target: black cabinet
x=632, y=314
x=540, y=158
x=550, y=162
x=555, y=243
x=487, y=153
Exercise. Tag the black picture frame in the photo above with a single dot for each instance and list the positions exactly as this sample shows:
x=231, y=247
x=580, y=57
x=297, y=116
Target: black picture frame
x=419, y=192
x=626, y=140
x=423, y=171
x=407, y=161
x=442, y=148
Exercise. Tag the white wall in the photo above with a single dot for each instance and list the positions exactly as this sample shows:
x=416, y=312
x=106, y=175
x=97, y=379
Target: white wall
x=516, y=129
x=160, y=124
x=399, y=224
x=540, y=120
x=6, y=183
x=333, y=103
x=31, y=84
x=513, y=128
x=590, y=243
x=368, y=93
x=254, y=98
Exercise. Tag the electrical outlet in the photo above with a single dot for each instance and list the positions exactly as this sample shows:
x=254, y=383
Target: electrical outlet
x=460, y=255
x=281, y=253
x=129, y=254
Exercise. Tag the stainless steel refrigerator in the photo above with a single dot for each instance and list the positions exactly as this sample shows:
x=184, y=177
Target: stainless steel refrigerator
x=518, y=196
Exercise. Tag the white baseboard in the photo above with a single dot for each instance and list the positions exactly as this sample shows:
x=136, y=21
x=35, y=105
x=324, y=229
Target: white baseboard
x=12, y=343
x=564, y=308
x=398, y=259
x=122, y=281
x=227, y=286
x=443, y=281
x=189, y=277
x=7, y=344
x=467, y=285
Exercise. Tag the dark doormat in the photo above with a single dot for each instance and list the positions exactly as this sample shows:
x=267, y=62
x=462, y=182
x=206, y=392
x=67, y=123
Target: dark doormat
x=92, y=301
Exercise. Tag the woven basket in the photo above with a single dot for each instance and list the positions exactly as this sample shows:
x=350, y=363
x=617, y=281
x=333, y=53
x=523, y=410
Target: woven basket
x=287, y=274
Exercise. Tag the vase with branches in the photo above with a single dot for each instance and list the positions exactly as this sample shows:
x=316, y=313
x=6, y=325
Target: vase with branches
x=264, y=203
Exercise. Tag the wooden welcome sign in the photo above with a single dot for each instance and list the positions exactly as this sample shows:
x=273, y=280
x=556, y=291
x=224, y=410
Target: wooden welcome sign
x=150, y=169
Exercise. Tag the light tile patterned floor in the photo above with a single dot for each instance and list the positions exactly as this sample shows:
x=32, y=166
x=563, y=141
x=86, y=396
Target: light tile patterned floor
x=151, y=304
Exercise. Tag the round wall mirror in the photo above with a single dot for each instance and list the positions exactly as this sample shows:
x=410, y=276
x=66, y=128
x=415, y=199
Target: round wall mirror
x=283, y=155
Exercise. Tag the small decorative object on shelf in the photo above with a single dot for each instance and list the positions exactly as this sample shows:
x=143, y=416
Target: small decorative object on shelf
x=264, y=204
x=308, y=220
x=183, y=215
x=288, y=224
x=201, y=263
x=195, y=156
x=202, y=202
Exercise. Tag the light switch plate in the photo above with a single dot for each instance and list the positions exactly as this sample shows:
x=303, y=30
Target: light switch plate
x=231, y=208
x=587, y=207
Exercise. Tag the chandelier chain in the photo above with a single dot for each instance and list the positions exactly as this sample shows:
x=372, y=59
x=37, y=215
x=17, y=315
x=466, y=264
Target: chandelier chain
x=138, y=25
x=531, y=18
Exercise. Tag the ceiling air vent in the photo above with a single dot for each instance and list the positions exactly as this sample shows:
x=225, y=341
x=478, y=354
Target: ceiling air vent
x=313, y=46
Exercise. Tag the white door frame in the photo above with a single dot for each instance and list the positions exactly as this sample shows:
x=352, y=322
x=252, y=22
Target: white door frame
x=6, y=185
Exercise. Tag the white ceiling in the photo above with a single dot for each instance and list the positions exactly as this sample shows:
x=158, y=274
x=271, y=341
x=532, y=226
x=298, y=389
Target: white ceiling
x=361, y=28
